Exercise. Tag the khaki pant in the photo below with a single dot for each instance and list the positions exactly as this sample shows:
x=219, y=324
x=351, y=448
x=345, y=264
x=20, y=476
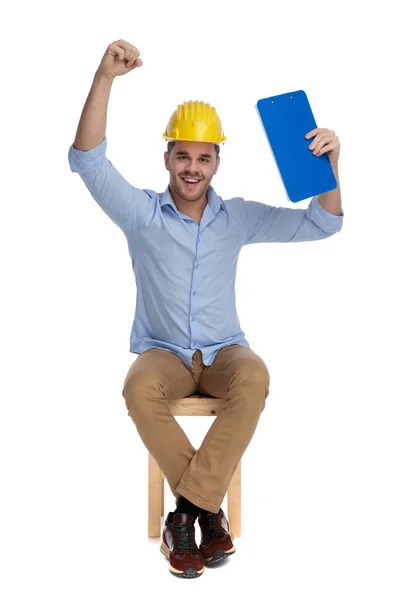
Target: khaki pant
x=237, y=375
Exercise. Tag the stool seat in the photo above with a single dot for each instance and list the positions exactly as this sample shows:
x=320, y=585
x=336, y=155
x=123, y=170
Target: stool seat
x=195, y=405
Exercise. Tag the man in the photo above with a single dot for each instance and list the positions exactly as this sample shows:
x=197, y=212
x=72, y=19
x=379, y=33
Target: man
x=184, y=245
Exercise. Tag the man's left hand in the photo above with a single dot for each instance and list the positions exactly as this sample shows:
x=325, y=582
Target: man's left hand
x=324, y=140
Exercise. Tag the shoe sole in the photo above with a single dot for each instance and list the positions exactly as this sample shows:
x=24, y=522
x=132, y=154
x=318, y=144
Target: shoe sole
x=189, y=573
x=220, y=555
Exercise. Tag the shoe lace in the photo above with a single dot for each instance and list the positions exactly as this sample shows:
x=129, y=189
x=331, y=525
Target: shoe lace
x=186, y=537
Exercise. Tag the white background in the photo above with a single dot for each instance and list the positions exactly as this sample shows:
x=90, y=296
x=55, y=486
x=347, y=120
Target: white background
x=320, y=477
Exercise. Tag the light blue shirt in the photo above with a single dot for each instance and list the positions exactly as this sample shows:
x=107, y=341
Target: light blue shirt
x=185, y=272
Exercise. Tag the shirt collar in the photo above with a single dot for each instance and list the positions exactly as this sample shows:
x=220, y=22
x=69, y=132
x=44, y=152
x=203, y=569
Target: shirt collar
x=214, y=201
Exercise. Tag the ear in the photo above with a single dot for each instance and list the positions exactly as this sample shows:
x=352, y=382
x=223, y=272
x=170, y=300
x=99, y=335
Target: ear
x=166, y=160
x=217, y=165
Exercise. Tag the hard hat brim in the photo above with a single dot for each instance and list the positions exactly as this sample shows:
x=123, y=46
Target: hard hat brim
x=171, y=139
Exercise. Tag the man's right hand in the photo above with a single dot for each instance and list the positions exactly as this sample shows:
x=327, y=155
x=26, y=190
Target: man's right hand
x=119, y=58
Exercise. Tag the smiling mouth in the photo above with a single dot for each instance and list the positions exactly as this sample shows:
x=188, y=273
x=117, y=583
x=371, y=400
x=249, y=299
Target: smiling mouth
x=190, y=182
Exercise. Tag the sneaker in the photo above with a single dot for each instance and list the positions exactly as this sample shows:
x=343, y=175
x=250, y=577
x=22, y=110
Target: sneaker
x=216, y=539
x=179, y=546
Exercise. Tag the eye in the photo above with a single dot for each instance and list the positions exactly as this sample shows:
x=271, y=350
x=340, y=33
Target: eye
x=205, y=159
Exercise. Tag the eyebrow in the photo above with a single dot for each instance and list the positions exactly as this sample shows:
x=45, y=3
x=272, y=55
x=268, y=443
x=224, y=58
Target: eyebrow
x=182, y=153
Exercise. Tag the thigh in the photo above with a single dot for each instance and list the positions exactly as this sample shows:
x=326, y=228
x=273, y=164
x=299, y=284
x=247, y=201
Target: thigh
x=232, y=364
x=162, y=372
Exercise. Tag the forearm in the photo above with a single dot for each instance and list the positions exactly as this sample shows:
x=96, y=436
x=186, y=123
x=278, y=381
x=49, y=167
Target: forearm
x=92, y=125
x=332, y=201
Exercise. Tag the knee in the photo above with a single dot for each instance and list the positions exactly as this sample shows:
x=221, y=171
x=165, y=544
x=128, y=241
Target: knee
x=256, y=374
x=257, y=377
x=261, y=378
x=260, y=375
x=134, y=390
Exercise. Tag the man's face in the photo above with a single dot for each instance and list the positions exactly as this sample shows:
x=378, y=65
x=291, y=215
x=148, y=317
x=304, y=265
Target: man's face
x=191, y=161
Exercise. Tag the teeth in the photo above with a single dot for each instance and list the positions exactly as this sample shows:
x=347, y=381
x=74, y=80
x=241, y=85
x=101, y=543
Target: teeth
x=191, y=180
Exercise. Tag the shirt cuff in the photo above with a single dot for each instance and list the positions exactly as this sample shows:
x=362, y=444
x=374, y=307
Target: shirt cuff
x=84, y=161
x=323, y=218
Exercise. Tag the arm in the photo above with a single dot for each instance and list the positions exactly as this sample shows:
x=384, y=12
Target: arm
x=92, y=125
x=332, y=201
x=119, y=58
x=325, y=141
x=322, y=218
x=280, y=224
x=123, y=203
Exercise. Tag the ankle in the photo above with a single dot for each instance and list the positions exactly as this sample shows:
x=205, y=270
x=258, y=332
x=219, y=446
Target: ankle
x=185, y=506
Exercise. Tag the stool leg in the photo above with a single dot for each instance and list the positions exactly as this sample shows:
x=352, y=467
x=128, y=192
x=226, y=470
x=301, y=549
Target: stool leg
x=154, y=498
x=162, y=482
x=234, y=502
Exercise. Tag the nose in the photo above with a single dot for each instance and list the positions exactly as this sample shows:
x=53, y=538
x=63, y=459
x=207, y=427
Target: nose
x=188, y=169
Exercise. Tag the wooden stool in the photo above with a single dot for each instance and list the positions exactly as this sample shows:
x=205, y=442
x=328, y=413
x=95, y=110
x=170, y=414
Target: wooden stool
x=196, y=405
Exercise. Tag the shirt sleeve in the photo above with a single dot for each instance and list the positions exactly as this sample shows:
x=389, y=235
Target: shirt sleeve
x=280, y=224
x=127, y=206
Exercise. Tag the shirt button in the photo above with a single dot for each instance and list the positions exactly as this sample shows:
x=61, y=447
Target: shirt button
x=193, y=319
x=194, y=293
x=197, y=266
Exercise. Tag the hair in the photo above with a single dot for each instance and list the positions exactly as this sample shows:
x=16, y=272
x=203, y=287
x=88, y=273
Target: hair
x=171, y=144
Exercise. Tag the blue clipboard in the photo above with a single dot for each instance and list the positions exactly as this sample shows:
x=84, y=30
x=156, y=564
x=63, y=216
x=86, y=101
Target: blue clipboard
x=287, y=118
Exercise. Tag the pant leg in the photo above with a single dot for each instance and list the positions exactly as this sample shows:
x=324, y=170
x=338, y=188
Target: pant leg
x=155, y=377
x=241, y=377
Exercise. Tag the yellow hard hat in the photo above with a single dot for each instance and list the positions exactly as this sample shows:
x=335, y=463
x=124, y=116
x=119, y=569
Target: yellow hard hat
x=195, y=122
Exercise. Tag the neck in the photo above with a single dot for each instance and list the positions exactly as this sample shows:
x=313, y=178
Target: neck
x=193, y=209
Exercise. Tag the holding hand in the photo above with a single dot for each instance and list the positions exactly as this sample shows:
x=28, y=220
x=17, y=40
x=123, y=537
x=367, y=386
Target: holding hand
x=325, y=140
